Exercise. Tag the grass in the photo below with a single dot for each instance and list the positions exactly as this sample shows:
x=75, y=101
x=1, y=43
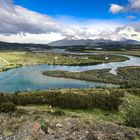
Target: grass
x=13, y=57
x=130, y=101
x=98, y=120
x=134, y=52
x=127, y=52
x=90, y=117
x=29, y=58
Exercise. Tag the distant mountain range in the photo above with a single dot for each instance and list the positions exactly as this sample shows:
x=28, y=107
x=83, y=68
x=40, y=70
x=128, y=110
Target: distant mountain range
x=77, y=42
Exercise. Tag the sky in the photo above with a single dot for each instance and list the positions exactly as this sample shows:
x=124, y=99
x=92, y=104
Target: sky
x=44, y=21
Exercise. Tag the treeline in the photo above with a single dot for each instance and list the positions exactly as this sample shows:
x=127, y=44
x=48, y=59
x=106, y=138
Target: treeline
x=103, y=99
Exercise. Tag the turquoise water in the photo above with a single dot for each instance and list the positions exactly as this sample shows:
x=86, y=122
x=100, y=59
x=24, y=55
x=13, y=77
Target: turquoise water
x=31, y=77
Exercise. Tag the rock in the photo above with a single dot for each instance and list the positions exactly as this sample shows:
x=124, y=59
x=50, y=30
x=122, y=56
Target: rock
x=59, y=125
x=36, y=127
x=50, y=131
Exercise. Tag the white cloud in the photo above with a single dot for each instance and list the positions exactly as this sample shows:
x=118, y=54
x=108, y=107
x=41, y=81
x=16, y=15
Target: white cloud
x=133, y=5
x=131, y=31
x=31, y=38
x=115, y=8
x=16, y=19
x=18, y=24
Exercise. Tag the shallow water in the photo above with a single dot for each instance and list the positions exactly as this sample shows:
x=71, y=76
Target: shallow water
x=31, y=77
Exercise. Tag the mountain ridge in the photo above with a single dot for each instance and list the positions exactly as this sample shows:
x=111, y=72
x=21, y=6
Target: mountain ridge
x=77, y=42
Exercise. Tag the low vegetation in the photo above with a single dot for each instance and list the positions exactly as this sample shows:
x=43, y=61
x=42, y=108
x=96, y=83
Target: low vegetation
x=127, y=76
x=37, y=120
x=10, y=66
x=7, y=107
x=128, y=50
x=104, y=99
x=32, y=58
x=132, y=118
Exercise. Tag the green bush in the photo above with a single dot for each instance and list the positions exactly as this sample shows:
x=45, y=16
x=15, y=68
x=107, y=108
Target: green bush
x=7, y=107
x=59, y=113
x=132, y=118
x=104, y=99
x=134, y=91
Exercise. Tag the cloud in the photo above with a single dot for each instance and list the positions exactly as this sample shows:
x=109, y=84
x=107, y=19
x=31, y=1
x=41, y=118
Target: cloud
x=133, y=5
x=16, y=19
x=31, y=38
x=18, y=24
x=115, y=8
x=131, y=31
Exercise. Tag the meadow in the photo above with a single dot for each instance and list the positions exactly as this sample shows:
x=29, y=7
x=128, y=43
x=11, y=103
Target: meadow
x=32, y=58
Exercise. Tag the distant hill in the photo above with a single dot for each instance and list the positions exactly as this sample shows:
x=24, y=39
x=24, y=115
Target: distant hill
x=77, y=42
x=19, y=46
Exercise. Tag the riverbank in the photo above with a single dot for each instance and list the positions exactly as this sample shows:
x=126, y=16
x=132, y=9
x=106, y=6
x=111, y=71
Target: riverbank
x=127, y=76
x=10, y=66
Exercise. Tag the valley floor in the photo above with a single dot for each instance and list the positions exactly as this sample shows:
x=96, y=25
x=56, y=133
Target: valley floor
x=32, y=58
x=73, y=114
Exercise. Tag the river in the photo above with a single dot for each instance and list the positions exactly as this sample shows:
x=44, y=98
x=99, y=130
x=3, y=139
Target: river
x=31, y=77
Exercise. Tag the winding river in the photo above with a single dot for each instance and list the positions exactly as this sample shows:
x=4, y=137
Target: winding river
x=31, y=77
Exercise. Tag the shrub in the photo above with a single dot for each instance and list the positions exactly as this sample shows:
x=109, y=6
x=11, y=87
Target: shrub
x=134, y=91
x=59, y=113
x=132, y=118
x=7, y=107
x=104, y=99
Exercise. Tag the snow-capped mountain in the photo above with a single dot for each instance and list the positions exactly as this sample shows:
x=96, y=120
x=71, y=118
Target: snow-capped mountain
x=75, y=42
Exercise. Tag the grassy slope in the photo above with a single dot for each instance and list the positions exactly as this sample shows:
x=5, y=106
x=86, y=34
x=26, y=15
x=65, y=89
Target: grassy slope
x=106, y=124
